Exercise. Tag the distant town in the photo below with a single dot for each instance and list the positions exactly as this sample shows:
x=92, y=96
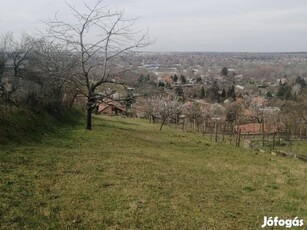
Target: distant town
x=246, y=88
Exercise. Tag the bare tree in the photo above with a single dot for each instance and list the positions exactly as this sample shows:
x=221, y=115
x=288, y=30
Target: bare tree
x=195, y=114
x=18, y=51
x=166, y=107
x=234, y=112
x=294, y=116
x=150, y=108
x=218, y=116
x=99, y=37
x=56, y=68
x=2, y=66
x=14, y=55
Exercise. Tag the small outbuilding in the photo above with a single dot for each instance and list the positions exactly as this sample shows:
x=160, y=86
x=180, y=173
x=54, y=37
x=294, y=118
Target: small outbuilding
x=110, y=107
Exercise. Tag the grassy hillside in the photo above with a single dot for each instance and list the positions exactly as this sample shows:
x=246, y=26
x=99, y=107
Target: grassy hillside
x=25, y=126
x=125, y=174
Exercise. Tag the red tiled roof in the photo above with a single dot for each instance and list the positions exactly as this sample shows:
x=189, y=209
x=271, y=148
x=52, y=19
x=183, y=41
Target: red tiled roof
x=102, y=107
x=107, y=103
x=255, y=128
x=249, y=113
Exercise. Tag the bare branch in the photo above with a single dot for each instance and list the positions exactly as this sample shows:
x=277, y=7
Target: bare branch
x=98, y=36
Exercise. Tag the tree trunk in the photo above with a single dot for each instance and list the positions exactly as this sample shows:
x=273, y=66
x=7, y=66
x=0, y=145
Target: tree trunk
x=89, y=108
x=300, y=132
x=273, y=146
x=239, y=138
x=215, y=130
x=211, y=131
x=262, y=131
x=163, y=122
x=224, y=130
x=88, y=122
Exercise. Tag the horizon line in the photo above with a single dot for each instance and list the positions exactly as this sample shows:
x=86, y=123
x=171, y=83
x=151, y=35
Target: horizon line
x=253, y=52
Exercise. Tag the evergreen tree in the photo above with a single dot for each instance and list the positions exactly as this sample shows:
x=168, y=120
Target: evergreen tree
x=213, y=91
x=144, y=79
x=141, y=78
x=231, y=93
x=224, y=71
x=179, y=92
x=269, y=95
x=198, y=80
x=284, y=92
x=175, y=78
x=300, y=81
x=182, y=79
x=202, y=92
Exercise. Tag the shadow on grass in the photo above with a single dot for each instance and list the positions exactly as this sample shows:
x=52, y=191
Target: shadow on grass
x=109, y=122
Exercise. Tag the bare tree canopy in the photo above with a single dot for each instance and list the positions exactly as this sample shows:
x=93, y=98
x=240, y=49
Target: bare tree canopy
x=13, y=57
x=98, y=37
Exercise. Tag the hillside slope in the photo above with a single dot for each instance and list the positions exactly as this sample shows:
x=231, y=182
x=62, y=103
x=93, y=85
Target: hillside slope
x=25, y=126
x=125, y=174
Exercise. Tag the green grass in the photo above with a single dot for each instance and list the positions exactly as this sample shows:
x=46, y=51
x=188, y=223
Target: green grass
x=25, y=126
x=125, y=174
x=297, y=147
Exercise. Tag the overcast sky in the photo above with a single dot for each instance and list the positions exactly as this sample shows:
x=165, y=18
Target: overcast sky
x=181, y=25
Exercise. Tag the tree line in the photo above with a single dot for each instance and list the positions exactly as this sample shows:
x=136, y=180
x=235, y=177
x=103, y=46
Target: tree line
x=68, y=59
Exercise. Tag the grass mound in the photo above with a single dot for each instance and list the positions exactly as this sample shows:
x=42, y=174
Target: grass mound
x=24, y=126
x=125, y=174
